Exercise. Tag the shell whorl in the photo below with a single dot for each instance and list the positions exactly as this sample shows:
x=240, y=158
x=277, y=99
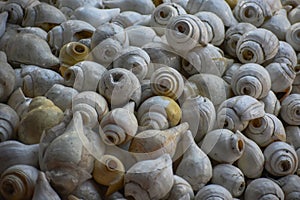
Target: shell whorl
x=293, y=36
x=290, y=109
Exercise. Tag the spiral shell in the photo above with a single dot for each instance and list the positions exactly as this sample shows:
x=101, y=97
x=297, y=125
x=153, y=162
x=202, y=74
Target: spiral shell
x=89, y=189
x=200, y=113
x=232, y=36
x=294, y=15
x=266, y=130
x=18, y=182
x=281, y=159
x=290, y=112
x=9, y=121
x=223, y=145
x=286, y=54
x=133, y=59
x=43, y=189
x=129, y=18
x=109, y=171
x=292, y=136
x=252, y=11
x=19, y=102
x=119, y=86
x=251, y=79
x=290, y=185
x=141, y=35
x=167, y=81
x=263, y=188
x=7, y=79
x=159, y=112
x=292, y=36
x=181, y=189
x=236, y=112
x=228, y=74
x=186, y=31
x=213, y=191
x=143, y=7
x=162, y=14
x=258, y=45
x=119, y=126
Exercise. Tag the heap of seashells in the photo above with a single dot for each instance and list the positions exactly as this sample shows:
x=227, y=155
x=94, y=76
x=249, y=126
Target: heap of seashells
x=149, y=99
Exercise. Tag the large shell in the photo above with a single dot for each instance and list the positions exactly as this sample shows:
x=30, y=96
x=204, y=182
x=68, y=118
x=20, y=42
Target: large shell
x=20, y=179
x=68, y=31
x=186, y=31
x=292, y=36
x=143, y=7
x=150, y=179
x=219, y=7
x=251, y=79
x=84, y=75
x=213, y=191
x=9, y=122
x=265, y=130
x=119, y=86
x=263, y=188
x=258, y=45
x=253, y=11
x=281, y=159
x=290, y=109
x=223, y=145
x=44, y=16
x=200, y=113
x=159, y=112
x=232, y=36
x=162, y=14
x=236, y=112
x=7, y=78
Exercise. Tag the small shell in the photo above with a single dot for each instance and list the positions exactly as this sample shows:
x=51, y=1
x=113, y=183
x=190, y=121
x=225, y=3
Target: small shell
x=214, y=25
x=292, y=136
x=68, y=31
x=282, y=76
x=232, y=36
x=70, y=54
x=7, y=79
x=61, y=96
x=186, y=31
x=194, y=161
x=19, y=102
x=230, y=177
x=263, y=188
x=162, y=14
x=286, y=54
x=278, y=24
x=16, y=153
x=133, y=59
x=139, y=35
x=143, y=7
x=292, y=36
x=150, y=179
x=265, y=130
x=119, y=86
x=119, y=126
x=290, y=108
x=92, y=107
x=251, y=163
x=290, y=185
x=200, y=113
x=252, y=11
x=220, y=8
x=9, y=122
x=167, y=81
x=271, y=103
x=129, y=18
x=236, y=112
x=20, y=179
x=151, y=144
x=95, y=16
x=109, y=171
x=281, y=159
x=294, y=15
x=44, y=113
x=43, y=189
x=251, y=79
x=159, y=112
x=181, y=189
x=213, y=191
x=258, y=45
x=44, y=16
x=84, y=75
x=223, y=145
x=208, y=59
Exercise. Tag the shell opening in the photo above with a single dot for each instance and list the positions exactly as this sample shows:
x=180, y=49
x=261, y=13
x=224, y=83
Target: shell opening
x=285, y=165
x=242, y=186
x=162, y=14
x=247, y=55
x=249, y=12
x=116, y=77
x=256, y=123
x=240, y=145
x=182, y=27
x=79, y=48
x=246, y=91
x=111, y=165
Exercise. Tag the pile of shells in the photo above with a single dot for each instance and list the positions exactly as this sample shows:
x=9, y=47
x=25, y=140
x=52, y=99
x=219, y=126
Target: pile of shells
x=149, y=99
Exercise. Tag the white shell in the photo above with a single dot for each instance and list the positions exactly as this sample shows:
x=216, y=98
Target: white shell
x=223, y=145
x=181, y=189
x=290, y=185
x=292, y=36
x=143, y=7
x=294, y=15
x=213, y=191
x=140, y=35
x=236, y=112
x=43, y=189
x=286, y=54
x=263, y=188
x=130, y=18
x=251, y=79
x=9, y=122
x=258, y=45
x=281, y=159
x=290, y=108
x=271, y=103
x=228, y=74
x=149, y=179
x=19, y=102
x=292, y=136
x=265, y=130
